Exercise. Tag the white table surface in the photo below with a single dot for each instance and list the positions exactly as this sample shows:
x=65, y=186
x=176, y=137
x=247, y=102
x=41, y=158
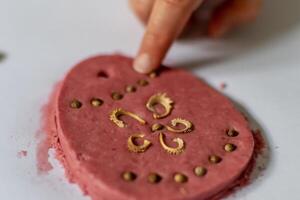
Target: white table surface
x=44, y=38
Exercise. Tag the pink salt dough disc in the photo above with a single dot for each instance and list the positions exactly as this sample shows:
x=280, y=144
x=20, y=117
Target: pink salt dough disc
x=94, y=150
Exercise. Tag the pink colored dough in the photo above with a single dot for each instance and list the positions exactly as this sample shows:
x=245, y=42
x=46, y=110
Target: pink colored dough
x=94, y=150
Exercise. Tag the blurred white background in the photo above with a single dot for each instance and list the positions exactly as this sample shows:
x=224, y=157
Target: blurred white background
x=42, y=39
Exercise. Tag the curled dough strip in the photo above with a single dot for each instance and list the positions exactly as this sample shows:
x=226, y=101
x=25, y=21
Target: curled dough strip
x=115, y=114
x=174, y=151
x=137, y=148
x=160, y=98
x=187, y=125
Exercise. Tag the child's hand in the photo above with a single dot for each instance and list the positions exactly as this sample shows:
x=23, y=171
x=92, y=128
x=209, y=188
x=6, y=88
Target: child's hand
x=167, y=18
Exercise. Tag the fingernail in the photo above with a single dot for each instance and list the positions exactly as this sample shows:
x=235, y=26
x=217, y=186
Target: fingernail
x=142, y=63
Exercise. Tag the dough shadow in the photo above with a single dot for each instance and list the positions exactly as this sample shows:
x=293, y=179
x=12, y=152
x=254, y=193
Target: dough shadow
x=262, y=161
x=276, y=20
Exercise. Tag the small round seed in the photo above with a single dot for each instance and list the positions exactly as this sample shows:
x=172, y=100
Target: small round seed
x=116, y=96
x=157, y=127
x=96, y=102
x=232, y=133
x=130, y=88
x=215, y=159
x=153, y=75
x=75, y=104
x=200, y=171
x=229, y=147
x=142, y=82
x=180, y=178
x=154, y=178
x=128, y=176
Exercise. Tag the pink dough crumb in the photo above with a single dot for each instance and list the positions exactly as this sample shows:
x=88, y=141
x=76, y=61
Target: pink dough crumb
x=43, y=135
x=22, y=154
x=223, y=86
